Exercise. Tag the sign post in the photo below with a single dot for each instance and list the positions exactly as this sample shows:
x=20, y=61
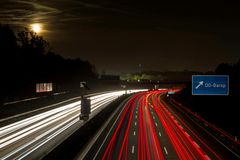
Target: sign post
x=85, y=103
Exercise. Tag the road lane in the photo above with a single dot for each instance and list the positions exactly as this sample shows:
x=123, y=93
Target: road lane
x=23, y=139
x=168, y=150
x=148, y=128
x=134, y=135
x=200, y=130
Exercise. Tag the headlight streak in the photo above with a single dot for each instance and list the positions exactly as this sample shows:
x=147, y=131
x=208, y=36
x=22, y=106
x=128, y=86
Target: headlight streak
x=17, y=125
x=37, y=138
x=25, y=132
x=15, y=132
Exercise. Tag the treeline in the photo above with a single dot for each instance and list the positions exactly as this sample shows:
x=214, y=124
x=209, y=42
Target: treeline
x=26, y=59
x=157, y=76
x=233, y=70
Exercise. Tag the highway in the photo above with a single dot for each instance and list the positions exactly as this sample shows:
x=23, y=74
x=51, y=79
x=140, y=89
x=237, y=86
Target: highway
x=33, y=137
x=149, y=127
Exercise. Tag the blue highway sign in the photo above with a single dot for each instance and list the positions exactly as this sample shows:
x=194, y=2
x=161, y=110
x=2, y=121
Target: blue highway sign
x=210, y=85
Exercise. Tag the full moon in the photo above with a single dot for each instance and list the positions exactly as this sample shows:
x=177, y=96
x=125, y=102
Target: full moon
x=36, y=27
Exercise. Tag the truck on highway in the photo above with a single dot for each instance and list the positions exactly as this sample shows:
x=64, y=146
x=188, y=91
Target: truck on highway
x=85, y=108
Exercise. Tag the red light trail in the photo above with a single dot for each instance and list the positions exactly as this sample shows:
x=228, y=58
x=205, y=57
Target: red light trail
x=149, y=128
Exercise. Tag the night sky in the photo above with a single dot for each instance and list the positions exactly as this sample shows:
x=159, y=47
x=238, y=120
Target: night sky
x=116, y=36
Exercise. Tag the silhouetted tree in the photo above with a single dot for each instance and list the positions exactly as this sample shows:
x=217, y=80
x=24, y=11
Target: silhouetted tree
x=233, y=70
x=26, y=60
x=223, y=68
x=8, y=57
x=29, y=40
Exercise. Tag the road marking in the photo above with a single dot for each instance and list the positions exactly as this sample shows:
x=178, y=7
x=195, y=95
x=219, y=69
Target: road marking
x=132, y=149
x=156, y=123
x=136, y=116
x=105, y=125
x=153, y=117
x=187, y=134
x=165, y=149
x=196, y=144
x=136, y=112
x=160, y=134
x=37, y=138
x=152, y=112
x=135, y=123
x=134, y=133
x=207, y=157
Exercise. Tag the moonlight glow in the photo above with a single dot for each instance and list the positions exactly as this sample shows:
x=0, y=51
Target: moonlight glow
x=36, y=27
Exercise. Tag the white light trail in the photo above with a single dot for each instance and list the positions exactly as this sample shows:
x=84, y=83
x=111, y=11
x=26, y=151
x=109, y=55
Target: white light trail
x=21, y=138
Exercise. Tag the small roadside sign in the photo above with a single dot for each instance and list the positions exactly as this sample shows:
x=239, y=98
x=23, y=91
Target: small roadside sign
x=83, y=84
x=210, y=85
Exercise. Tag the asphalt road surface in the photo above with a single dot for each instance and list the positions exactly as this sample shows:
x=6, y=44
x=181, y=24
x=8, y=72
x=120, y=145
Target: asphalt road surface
x=33, y=137
x=149, y=127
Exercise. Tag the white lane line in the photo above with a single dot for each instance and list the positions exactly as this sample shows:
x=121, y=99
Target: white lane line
x=196, y=144
x=165, y=149
x=105, y=125
x=132, y=149
x=207, y=157
x=153, y=117
x=180, y=126
x=187, y=134
x=134, y=133
x=135, y=123
x=152, y=112
x=156, y=124
x=136, y=112
x=136, y=116
x=159, y=133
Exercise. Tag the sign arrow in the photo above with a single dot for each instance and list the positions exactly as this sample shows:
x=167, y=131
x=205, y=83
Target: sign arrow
x=200, y=84
x=210, y=85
